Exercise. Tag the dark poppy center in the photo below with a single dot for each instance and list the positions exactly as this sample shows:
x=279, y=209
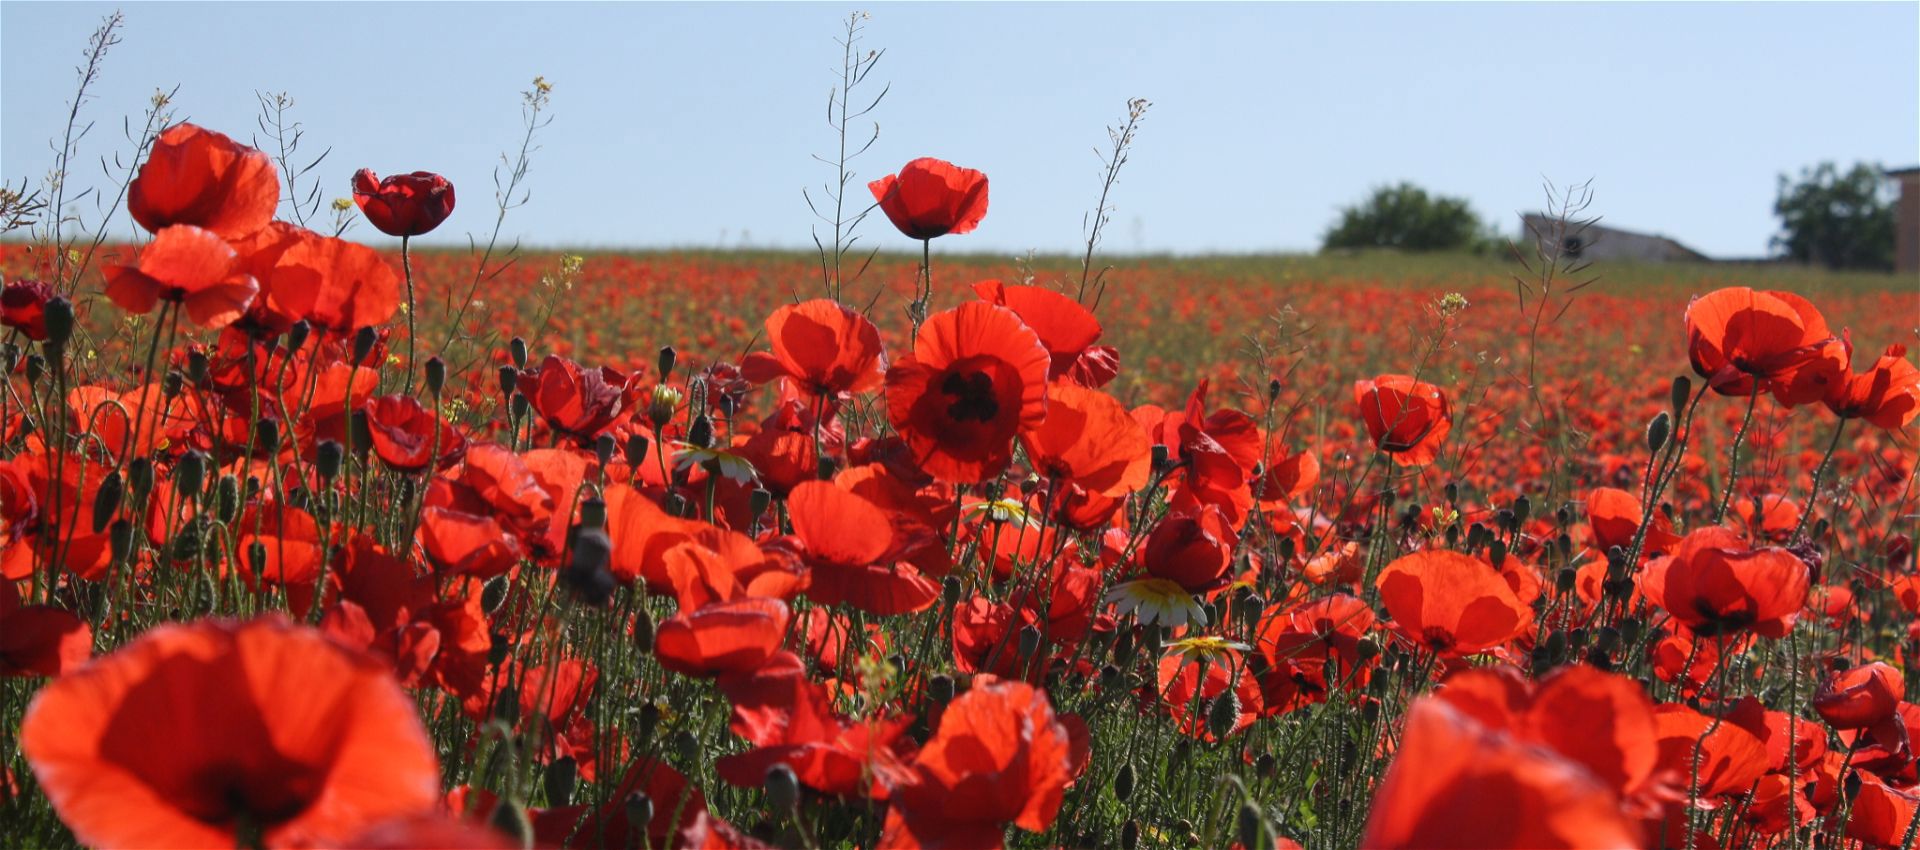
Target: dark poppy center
x=972, y=394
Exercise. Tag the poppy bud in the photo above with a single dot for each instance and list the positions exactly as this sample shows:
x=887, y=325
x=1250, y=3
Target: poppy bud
x=517, y=348
x=1273, y=390
x=1564, y=579
x=665, y=361
x=643, y=631
x=226, y=498
x=1366, y=649
x=587, y=575
x=950, y=590
x=701, y=433
x=1161, y=457
x=677, y=505
x=1600, y=660
x=758, y=501
x=1658, y=430
x=517, y=406
x=593, y=513
x=1029, y=642
x=783, y=788
x=257, y=558
x=1522, y=509
x=1123, y=782
x=636, y=449
x=493, y=593
x=1287, y=549
x=139, y=478
x=559, y=780
x=509, y=378
x=327, y=457
x=1250, y=825
x=1682, y=389
x=197, y=366
x=1109, y=677
x=1497, y=553
x=1224, y=714
x=106, y=501
x=1541, y=661
x=363, y=341
x=603, y=449
x=498, y=645
x=189, y=474
x=120, y=540
x=36, y=368
x=940, y=689
x=1453, y=492
x=436, y=370
x=649, y=718
x=829, y=467
x=639, y=809
x=266, y=435
x=1630, y=631
x=1557, y=645
x=172, y=384
x=297, y=335
x=1453, y=535
x=1130, y=835
x=59, y=320
x=511, y=820
x=687, y=746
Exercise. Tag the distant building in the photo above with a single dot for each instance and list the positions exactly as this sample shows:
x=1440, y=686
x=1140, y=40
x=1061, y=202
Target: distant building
x=1594, y=242
x=1906, y=220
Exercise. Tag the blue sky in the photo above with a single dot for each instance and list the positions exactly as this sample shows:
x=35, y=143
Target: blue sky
x=693, y=125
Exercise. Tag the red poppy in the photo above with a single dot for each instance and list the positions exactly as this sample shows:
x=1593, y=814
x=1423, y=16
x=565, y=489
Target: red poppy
x=1089, y=439
x=724, y=637
x=1451, y=603
x=1860, y=697
x=1195, y=552
x=999, y=756
x=403, y=204
x=1613, y=515
x=1729, y=757
x=1887, y=394
x=1214, y=453
x=1179, y=675
x=39, y=640
x=977, y=377
x=405, y=434
x=1881, y=815
x=931, y=197
x=23, y=306
x=1407, y=419
x=199, y=735
x=337, y=285
x=1066, y=328
x=1601, y=721
x=1302, y=645
x=575, y=401
x=853, y=553
x=189, y=265
x=1715, y=585
x=200, y=177
x=827, y=350
x=1454, y=783
x=1737, y=337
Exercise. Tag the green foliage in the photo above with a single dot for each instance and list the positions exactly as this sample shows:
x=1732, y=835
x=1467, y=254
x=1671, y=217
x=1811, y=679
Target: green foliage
x=1841, y=221
x=1405, y=217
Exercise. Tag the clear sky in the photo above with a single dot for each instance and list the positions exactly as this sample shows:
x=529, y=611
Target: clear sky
x=693, y=125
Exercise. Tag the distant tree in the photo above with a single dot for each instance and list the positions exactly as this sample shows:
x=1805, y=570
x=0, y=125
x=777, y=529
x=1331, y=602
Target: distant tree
x=1407, y=218
x=1841, y=221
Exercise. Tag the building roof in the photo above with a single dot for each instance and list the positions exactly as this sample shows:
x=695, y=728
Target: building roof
x=1902, y=172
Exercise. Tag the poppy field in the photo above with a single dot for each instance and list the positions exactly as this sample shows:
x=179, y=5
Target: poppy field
x=323, y=542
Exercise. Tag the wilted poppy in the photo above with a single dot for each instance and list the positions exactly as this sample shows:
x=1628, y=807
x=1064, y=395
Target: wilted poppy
x=827, y=350
x=218, y=734
x=403, y=204
x=1407, y=419
x=932, y=197
x=200, y=177
x=999, y=756
x=1451, y=603
x=1887, y=394
x=1454, y=783
x=1738, y=338
x=1089, y=439
x=1716, y=585
x=977, y=376
x=1860, y=697
x=723, y=637
x=188, y=265
x=406, y=434
x=1068, y=330
x=23, y=306
x=578, y=402
x=853, y=553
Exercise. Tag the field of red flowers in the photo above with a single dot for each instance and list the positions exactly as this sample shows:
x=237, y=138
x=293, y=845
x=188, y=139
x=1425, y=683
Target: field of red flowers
x=314, y=544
